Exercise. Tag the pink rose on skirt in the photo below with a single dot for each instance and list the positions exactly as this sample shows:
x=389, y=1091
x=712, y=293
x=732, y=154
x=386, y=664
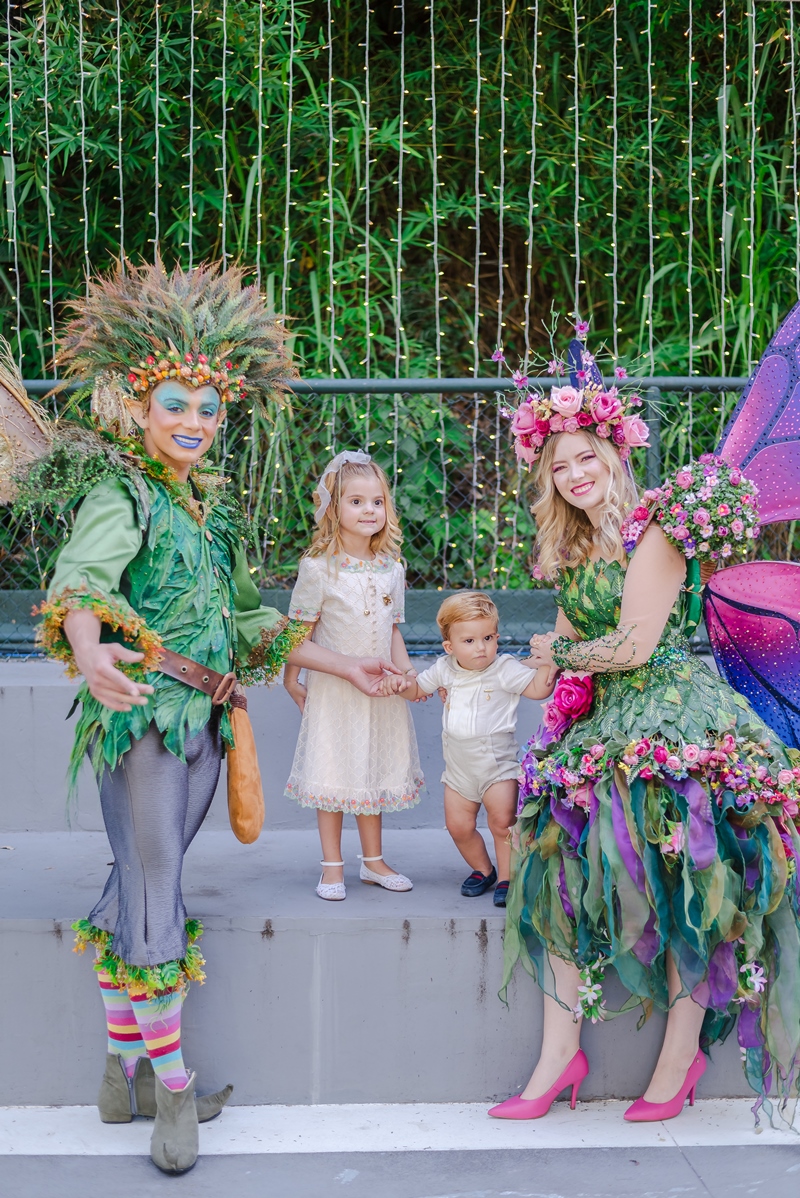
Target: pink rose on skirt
x=574, y=694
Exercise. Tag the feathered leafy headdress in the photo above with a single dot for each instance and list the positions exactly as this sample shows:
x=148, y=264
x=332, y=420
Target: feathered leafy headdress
x=141, y=324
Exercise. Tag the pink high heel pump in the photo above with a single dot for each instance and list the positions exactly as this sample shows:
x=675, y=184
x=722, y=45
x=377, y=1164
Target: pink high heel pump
x=533, y=1108
x=653, y=1112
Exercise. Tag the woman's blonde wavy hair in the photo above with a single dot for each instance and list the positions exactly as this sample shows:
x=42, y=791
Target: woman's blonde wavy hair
x=327, y=539
x=566, y=536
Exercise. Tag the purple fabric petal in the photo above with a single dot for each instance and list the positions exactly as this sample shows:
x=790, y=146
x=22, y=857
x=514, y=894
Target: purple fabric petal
x=702, y=832
x=723, y=975
x=749, y=1031
x=562, y=890
x=631, y=860
x=646, y=947
x=571, y=819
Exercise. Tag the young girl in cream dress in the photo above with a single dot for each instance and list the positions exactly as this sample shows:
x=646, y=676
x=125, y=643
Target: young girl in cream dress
x=354, y=753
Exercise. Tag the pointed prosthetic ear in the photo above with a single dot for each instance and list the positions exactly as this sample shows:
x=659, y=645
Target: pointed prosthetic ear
x=138, y=411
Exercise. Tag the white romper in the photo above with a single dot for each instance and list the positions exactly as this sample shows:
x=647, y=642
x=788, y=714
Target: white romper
x=479, y=719
x=354, y=753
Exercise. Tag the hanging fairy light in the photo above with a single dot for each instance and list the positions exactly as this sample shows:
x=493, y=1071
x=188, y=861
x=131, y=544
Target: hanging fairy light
x=398, y=285
x=224, y=135
x=690, y=193
x=576, y=214
x=190, y=189
x=47, y=196
x=476, y=311
x=260, y=143
x=501, y=203
x=367, y=363
x=120, y=176
x=157, y=147
x=367, y=221
x=751, y=220
x=287, y=167
x=84, y=164
x=11, y=190
x=795, y=196
x=651, y=270
x=723, y=267
x=331, y=243
x=532, y=183
x=615, y=183
x=437, y=299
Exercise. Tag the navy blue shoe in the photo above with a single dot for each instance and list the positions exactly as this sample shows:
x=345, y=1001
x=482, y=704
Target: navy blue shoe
x=478, y=883
x=500, y=894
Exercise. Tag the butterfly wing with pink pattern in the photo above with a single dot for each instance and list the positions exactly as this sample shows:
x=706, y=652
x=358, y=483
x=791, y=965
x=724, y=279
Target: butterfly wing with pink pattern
x=752, y=610
x=581, y=362
x=756, y=647
x=763, y=434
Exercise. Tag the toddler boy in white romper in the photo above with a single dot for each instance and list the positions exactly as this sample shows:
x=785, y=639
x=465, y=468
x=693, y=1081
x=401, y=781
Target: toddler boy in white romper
x=479, y=732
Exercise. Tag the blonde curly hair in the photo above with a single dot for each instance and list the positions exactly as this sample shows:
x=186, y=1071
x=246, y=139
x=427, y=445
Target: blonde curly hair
x=327, y=539
x=565, y=535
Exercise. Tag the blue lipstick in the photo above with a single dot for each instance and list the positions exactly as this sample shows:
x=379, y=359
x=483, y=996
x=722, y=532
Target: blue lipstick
x=187, y=442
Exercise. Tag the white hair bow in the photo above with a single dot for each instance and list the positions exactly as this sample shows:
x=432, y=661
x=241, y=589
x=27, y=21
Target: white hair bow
x=347, y=455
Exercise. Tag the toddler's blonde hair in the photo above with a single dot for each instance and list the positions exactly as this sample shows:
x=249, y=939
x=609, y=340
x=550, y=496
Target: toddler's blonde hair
x=463, y=606
x=327, y=537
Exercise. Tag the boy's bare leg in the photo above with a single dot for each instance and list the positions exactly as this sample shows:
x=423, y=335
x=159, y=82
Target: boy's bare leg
x=461, y=817
x=330, y=835
x=500, y=802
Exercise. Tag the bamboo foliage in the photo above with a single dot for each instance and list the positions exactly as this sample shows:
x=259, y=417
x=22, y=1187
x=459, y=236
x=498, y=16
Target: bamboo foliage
x=273, y=470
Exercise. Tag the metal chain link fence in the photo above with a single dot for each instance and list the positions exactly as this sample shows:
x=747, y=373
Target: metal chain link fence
x=462, y=500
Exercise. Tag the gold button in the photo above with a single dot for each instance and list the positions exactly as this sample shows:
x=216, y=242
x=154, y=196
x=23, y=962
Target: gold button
x=226, y=613
x=209, y=536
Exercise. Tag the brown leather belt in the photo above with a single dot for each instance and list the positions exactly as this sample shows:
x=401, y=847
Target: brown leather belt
x=222, y=688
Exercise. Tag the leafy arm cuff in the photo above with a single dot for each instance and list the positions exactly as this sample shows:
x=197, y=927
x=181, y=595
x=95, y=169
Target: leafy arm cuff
x=264, y=637
x=114, y=613
x=606, y=654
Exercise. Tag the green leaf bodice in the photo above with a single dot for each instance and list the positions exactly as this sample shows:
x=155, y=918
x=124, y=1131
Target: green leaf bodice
x=674, y=693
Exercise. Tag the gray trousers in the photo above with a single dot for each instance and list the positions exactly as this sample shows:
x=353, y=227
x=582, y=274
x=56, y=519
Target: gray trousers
x=153, y=806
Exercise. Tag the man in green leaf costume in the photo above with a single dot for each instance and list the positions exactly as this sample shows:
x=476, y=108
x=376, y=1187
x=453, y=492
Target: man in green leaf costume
x=156, y=565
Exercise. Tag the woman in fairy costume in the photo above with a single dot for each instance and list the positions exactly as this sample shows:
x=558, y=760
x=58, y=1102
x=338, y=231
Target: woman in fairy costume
x=155, y=562
x=657, y=830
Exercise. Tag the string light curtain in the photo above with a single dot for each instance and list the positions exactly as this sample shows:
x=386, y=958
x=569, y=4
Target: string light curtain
x=398, y=273
x=690, y=182
x=476, y=286
x=48, y=203
x=651, y=267
x=87, y=268
x=576, y=165
x=157, y=139
x=224, y=135
x=11, y=191
x=793, y=109
x=120, y=164
x=437, y=297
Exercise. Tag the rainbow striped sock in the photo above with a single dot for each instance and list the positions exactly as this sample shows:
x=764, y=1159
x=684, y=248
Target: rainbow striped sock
x=124, y=1038
x=159, y=1021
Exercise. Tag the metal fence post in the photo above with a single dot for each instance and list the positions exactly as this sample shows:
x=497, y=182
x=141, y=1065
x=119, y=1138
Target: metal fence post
x=653, y=412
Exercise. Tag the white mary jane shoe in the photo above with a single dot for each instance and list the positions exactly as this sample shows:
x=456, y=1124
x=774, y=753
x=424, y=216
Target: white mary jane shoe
x=387, y=881
x=334, y=892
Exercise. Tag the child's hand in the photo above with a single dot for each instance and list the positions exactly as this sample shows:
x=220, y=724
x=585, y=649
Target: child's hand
x=392, y=684
x=298, y=692
x=442, y=693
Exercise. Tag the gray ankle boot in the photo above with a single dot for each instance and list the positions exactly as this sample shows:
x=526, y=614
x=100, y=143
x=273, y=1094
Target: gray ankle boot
x=114, y=1099
x=175, y=1142
x=144, y=1093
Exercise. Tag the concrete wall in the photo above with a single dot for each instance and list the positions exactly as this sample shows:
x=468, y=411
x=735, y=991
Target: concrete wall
x=36, y=739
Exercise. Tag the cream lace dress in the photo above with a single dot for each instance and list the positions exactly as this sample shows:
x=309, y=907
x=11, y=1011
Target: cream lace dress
x=354, y=753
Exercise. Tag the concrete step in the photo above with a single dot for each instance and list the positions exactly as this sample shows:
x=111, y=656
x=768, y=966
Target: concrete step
x=36, y=740
x=382, y=998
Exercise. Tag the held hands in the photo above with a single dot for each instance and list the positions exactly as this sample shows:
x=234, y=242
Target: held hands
x=106, y=683
x=298, y=692
x=541, y=650
x=367, y=674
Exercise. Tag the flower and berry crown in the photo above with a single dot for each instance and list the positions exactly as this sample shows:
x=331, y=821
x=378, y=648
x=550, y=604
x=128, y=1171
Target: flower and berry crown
x=584, y=403
x=192, y=369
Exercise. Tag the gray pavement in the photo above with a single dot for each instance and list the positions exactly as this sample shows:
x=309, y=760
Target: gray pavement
x=773, y=1172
